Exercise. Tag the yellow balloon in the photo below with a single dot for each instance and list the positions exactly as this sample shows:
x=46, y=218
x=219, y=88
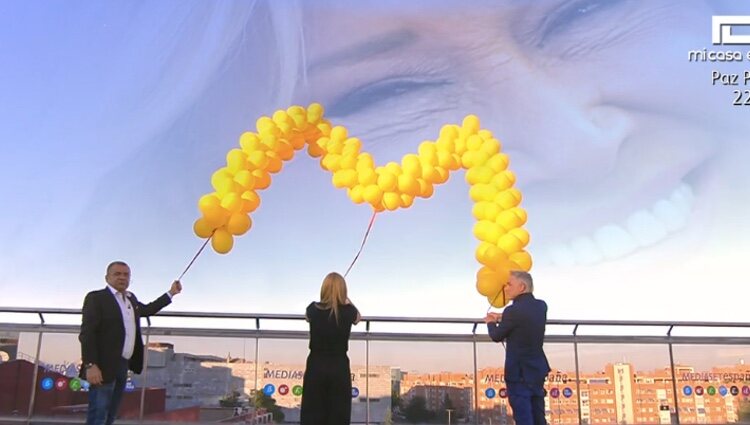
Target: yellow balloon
x=314, y=150
x=222, y=241
x=449, y=131
x=274, y=162
x=352, y=146
x=357, y=194
x=344, y=178
x=508, y=198
x=331, y=162
x=236, y=160
x=239, y=224
x=490, y=146
x=314, y=113
x=373, y=194
x=348, y=162
x=406, y=200
x=407, y=184
x=522, y=258
x=425, y=188
x=339, y=133
x=216, y=216
x=249, y=142
x=474, y=142
x=411, y=165
x=471, y=124
x=335, y=145
x=498, y=300
x=508, y=220
x=285, y=150
x=364, y=160
x=521, y=213
x=245, y=179
x=202, y=228
x=366, y=176
x=509, y=243
x=498, y=162
x=503, y=180
x=231, y=202
x=481, y=228
x=387, y=181
x=479, y=175
x=222, y=181
x=208, y=201
x=258, y=159
x=262, y=179
x=250, y=201
x=265, y=125
x=521, y=234
x=488, y=285
x=391, y=201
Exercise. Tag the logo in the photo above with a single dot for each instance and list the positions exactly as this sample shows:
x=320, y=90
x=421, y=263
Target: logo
x=554, y=392
x=129, y=386
x=355, y=392
x=283, y=389
x=745, y=390
x=567, y=392
x=711, y=390
x=699, y=390
x=269, y=389
x=297, y=390
x=47, y=384
x=721, y=30
x=687, y=390
x=489, y=393
x=502, y=393
x=75, y=384
x=734, y=390
x=723, y=390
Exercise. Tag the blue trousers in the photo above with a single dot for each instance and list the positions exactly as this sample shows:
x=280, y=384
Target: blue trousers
x=104, y=399
x=527, y=402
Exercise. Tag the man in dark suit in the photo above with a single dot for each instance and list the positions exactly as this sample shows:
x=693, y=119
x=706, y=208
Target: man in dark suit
x=111, y=340
x=522, y=326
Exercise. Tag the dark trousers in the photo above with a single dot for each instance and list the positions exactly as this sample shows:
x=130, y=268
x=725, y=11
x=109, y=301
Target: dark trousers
x=326, y=390
x=527, y=402
x=104, y=400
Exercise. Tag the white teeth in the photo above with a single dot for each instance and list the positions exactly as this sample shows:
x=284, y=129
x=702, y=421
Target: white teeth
x=614, y=241
x=585, y=251
x=642, y=228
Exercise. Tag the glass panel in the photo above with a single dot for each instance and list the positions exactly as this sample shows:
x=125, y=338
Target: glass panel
x=429, y=381
x=627, y=384
x=17, y=358
x=196, y=379
x=713, y=383
x=60, y=393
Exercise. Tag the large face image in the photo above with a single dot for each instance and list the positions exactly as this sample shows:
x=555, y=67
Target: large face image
x=630, y=159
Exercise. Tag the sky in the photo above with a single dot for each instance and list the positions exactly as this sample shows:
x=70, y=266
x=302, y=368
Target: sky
x=631, y=161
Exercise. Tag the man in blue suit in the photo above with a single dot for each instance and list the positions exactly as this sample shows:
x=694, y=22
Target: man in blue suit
x=522, y=325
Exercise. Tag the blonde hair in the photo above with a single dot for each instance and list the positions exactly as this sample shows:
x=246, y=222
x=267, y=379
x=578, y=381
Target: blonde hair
x=333, y=293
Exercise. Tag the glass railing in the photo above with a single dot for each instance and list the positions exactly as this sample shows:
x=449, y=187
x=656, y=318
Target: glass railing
x=248, y=368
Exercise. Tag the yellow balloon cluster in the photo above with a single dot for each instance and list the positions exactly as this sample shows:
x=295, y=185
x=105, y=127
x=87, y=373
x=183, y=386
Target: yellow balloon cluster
x=499, y=228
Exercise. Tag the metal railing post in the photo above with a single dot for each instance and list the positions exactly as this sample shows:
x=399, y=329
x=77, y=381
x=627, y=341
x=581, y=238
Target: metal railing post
x=144, y=380
x=674, y=377
x=32, y=398
x=578, y=374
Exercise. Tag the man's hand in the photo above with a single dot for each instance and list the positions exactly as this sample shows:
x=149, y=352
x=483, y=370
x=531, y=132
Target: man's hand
x=176, y=288
x=94, y=375
x=493, y=317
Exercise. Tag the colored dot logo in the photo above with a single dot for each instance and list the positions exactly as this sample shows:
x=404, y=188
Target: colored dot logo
x=734, y=390
x=283, y=389
x=269, y=389
x=567, y=392
x=699, y=390
x=47, y=384
x=85, y=385
x=129, y=386
x=723, y=391
x=489, y=393
x=61, y=384
x=711, y=390
x=75, y=384
x=745, y=390
x=355, y=392
x=554, y=392
x=502, y=393
x=687, y=390
x=297, y=390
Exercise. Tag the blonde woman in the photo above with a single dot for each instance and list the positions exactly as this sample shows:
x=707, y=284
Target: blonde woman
x=327, y=384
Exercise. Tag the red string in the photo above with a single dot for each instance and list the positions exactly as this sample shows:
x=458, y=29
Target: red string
x=367, y=233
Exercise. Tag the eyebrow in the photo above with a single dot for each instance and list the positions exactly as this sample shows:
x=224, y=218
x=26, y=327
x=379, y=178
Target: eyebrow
x=387, y=42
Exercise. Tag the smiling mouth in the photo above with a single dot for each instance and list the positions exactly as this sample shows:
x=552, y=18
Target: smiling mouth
x=642, y=228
